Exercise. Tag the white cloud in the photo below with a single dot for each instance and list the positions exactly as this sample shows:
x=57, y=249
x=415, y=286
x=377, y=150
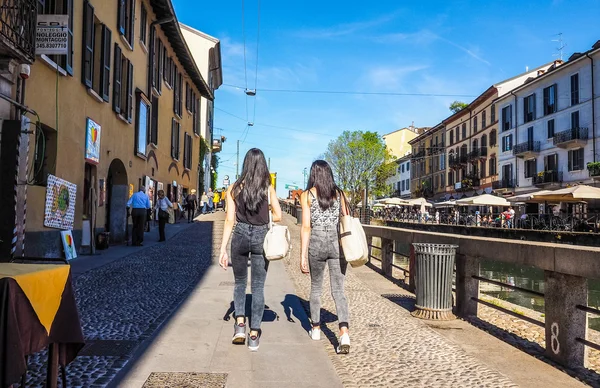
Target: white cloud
x=344, y=29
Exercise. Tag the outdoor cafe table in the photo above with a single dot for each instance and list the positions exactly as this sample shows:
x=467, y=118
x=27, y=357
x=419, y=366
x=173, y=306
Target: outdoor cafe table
x=37, y=310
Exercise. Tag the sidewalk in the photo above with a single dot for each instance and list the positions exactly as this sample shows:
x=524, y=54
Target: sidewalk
x=197, y=339
x=85, y=263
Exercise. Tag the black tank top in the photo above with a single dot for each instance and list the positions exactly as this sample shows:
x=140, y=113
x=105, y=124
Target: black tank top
x=246, y=216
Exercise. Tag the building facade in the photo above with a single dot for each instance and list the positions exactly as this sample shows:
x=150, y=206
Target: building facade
x=207, y=54
x=120, y=111
x=398, y=141
x=428, y=164
x=550, y=126
x=472, y=138
x=400, y=182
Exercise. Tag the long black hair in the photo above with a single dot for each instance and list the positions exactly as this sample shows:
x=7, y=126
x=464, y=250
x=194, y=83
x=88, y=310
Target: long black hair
x=321, y=178
x=254, y=182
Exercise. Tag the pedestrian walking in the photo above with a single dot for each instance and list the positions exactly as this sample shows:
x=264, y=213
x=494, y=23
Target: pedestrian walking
x=192, y=204
x=139, y=203
x=248, y=205
x=322, y=204
x=210, y=196
x=204, y=202
x=216, y=200
x=162, y=208
x=223, y=196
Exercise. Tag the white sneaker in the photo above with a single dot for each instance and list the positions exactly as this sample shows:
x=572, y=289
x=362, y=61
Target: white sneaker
x=315, y=334
x=344, y=346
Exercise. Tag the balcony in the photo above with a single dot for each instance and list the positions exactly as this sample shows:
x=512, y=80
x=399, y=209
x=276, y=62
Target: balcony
x=217, y=146
x=456, y=161
x=18, y=21
x=545, y=178
x=503, y=184
x=527, y=149
x=594, y=170
x=418, y=155
x=571, y=138
x=469, y=182
x=478, y=153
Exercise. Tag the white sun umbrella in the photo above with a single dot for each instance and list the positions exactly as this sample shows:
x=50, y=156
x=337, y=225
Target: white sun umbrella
x=380, y=204
x=450, y=203
x=394, y=201
x=419, y=202
x=483, y=200
x=570, y=194
x=527, y=197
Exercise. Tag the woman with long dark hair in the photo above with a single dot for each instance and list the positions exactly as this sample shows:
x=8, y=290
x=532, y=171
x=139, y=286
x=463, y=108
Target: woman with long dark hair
x=322, y=204
x=248, y=210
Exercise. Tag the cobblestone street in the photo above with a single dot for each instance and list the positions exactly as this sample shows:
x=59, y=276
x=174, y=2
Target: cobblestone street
x=121, y=304
x=156, y=315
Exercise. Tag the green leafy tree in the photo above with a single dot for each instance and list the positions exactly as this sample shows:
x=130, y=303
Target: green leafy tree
x=214, y=163
x=457, y=106
x=359, y=158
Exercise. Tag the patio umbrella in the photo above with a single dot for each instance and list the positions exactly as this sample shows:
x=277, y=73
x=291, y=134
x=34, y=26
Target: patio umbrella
x=450, y=203
x=379, y=205
x=394, y=201
x=527, y=197
x=419, y=202
x=569, y=194
x=483, y=200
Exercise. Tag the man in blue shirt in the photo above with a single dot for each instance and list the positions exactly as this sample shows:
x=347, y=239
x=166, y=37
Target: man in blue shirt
x=140, y=203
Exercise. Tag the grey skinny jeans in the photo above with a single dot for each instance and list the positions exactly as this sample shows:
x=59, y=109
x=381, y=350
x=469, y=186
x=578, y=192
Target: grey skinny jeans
x=247, y=241
x=324, y=249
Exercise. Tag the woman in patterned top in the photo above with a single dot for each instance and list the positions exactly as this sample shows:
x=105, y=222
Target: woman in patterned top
x=322, y=203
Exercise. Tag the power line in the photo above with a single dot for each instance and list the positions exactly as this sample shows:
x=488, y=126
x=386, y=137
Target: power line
x=230, y=114
x=256, y=69
x=355, y=93
x=245, y=62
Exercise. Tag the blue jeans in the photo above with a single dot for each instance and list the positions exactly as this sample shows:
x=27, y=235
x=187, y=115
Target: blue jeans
x=324, y=250
x=247, y=242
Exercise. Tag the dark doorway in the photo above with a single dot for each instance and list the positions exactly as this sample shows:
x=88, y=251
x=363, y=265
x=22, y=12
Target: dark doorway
x=116, y=205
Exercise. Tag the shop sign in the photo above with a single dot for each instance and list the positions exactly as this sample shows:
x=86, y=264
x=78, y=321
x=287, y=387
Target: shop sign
x=52, y=35
x=92, y=141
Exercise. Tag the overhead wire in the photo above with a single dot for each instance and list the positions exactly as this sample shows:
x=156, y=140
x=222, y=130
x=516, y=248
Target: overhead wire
x=356, y=92
x=256, y=68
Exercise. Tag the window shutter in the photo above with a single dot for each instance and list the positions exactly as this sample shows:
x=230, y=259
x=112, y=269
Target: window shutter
x=105, y=74
x=571, y=157
x=580, y=160
x=176, y=95
x=131, y=22
x=159, y=66
x=154, y=128
x=180, y=92
x=117, y=80
x=151, y=56
x=173, y=138
x=87, y=66
x=70, y=38
x=130, y=92
x=121, y=17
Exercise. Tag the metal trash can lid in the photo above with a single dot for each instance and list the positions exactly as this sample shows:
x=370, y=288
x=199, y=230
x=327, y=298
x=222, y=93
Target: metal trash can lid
x=434, y=248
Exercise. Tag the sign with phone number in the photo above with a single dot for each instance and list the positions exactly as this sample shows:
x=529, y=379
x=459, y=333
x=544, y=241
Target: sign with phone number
x=52, y=35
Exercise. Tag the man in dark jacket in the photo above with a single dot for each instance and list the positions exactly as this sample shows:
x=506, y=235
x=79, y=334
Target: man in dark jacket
x=192, y=204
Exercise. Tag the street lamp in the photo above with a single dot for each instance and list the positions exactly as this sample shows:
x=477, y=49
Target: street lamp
x=304, y=173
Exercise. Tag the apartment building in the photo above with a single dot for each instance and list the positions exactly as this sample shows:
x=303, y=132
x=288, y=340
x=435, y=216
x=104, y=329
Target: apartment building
x=428, y=164
x=119, y=111
x=400, y=182
x=472, y=141
x=206, y=51
x=397, y=142
x=549, y=126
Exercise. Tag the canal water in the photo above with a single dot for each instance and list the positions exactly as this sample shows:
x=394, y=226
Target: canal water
x=525, y=277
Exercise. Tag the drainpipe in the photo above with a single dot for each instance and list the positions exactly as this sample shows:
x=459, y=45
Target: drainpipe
x=516, y=137
x=593, y=109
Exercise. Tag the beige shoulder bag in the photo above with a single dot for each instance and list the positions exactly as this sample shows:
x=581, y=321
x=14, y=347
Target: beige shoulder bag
x=277, y=241
x=352, y=238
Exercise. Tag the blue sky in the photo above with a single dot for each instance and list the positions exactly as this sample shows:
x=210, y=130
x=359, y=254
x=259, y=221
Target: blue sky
x=423, y=47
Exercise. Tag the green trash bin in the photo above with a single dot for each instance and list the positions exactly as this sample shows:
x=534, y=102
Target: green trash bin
x=299, y=215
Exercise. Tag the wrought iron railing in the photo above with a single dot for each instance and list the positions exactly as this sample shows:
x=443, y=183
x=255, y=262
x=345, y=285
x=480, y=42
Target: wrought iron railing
x=546, y=177
x=571, y=134
x=18, y=27
x=503, y=184
x=528, y=146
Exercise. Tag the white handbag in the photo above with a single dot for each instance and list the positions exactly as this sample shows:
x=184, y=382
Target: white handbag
x=353, y=240
x=277, y=241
